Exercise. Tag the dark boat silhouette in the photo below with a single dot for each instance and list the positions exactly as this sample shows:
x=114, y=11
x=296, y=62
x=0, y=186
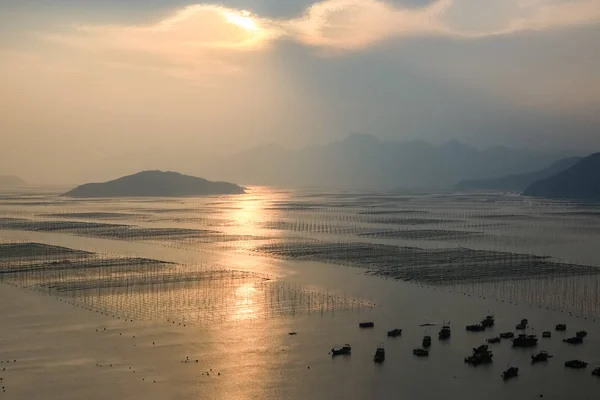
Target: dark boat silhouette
x=507, y=335
x=596, y=371
x=512, y=372
x=573, y=340
x=493, y=340
x=561, y=327
x=581, y=334
x=379, y=356
x=525, y=341
x=346, y=350
x=444, y=333
x=394, y=332
x=576, y=364
x=475, y=328
x=481, y=355
x=542, y=356
x=421, y=352
x=546, y=334
x=488, y=321
x=366, y=324
x=426, y=341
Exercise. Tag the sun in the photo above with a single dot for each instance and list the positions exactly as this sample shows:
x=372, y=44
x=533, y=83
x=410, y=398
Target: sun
x=242, y=19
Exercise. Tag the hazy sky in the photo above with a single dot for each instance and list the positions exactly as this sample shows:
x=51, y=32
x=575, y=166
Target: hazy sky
x=95, y=88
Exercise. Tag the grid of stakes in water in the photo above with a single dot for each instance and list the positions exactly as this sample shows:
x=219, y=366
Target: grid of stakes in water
x=146, y=289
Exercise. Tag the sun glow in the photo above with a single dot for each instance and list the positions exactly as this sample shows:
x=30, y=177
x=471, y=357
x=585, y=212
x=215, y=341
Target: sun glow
x=242, y=19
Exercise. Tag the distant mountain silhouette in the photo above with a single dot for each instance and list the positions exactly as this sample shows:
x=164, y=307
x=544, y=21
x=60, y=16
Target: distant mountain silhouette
x=518, y=182
x=155, y=184
x=366, y=161
x=11, y=182
x=581, y=181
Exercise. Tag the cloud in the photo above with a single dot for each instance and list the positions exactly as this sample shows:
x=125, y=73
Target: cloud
x=203, y=40
x=352, y=24
x=195, y=41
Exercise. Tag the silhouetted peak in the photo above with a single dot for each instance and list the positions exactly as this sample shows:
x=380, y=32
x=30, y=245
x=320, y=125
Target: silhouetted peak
x=155, y=183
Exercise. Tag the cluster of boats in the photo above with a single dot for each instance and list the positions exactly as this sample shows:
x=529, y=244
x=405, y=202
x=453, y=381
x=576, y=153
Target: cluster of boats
x=485, y=323
x=482, y=354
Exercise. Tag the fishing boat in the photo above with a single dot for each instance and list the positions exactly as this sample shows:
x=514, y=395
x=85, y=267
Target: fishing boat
x=481, y=349
x=507, y=335
x=379, y=356
x=581, y=334
x=421, y=352
x=546, y=334
x=523, y=324
x=394, y=332
x=525, y=341
x=444, y=333
x=576, y=364
x=540, y=357
x=475, y=328
x=488, y=321
x=481, y=355
x=366, y=324
x=512, y=372
x=493, y=340
x=573, y=340
x=596, y=371
x=343, y=351
x=561, y=327
x=426, y=341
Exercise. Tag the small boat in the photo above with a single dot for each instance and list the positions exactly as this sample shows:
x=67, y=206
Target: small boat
x=596, y=371
x=521, y=327
x=444, y=333
x=525, y=341
x=494, y=340
x=379, y=356
x=524, y=321
x=512, y=372
x=292, y=333
x=507, y=335
x=426, y=341
x=576, y=364
x=475, y=328
x=346, y=350
x=540, y=357
x=366, y=325
x=546, y=334
x=421, y=352
x=394, y=332
x=581, y=334
x=481, y=349
x=481, y=355
x=488, y=321
x=573, y=340
x=561, y=327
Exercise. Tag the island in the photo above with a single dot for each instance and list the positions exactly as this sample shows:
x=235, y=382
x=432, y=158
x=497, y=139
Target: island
x=155, y=184
x=580, y=182
x=11, y=182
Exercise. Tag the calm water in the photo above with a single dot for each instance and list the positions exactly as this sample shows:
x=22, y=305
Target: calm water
x=248, y=270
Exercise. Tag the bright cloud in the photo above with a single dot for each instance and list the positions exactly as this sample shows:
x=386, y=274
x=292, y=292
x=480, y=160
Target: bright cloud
x=201, y=40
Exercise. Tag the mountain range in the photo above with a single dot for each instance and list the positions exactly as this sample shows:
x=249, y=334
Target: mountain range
x=518, y=182
x=581, y=181
x=366, y=161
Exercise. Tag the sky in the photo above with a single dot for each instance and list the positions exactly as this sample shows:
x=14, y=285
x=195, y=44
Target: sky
x=93, y=89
